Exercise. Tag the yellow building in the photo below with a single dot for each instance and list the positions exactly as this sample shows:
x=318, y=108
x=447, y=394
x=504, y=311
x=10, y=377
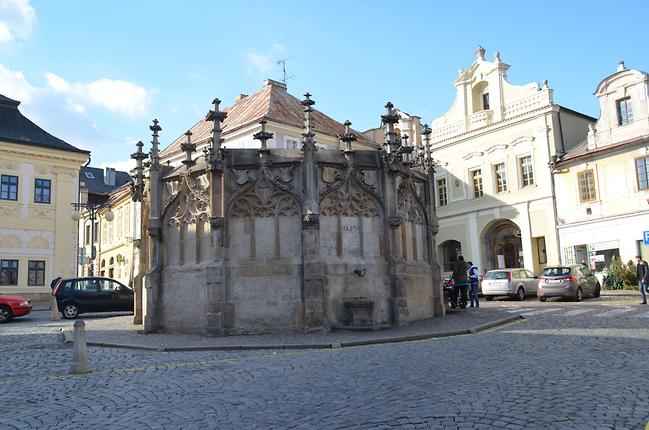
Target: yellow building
x=39, y=180
x=602, y=184
x=494, y=190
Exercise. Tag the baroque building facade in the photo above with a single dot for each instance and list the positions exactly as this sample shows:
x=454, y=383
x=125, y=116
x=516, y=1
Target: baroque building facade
x=260, y=239
x=602, y=184
x=39, y=181
x=494, y=191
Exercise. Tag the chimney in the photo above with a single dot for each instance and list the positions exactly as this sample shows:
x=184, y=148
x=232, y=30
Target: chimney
x=109, y=176
x=240, y=97
x=272, y=83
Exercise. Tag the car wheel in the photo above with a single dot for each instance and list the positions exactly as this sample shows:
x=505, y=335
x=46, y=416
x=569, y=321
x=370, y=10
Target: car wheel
x=579, y=295
x=70, y=311
x=5, y=314
x=488, y=298
x=598, y=290
x=542, y=299
x=520, y=294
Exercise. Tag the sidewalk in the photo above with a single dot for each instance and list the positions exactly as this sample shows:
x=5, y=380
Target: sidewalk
x=119, y=332
x=633, y=293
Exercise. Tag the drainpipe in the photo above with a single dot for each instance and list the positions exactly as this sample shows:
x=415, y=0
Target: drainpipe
x=554, y=195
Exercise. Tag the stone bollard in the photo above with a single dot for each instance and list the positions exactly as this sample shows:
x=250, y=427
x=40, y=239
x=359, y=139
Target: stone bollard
x=80, y=361
x=56, y=315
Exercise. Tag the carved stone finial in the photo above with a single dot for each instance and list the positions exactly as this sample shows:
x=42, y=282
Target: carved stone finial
x=389, y=120
x=309, y=143
x=405, y=137
x=545, y=84
x=347, y=137
x=480, y=53
x=137, y=181
x=263, y=135
x=497, y=57
x=188, y=148
x=155, y=152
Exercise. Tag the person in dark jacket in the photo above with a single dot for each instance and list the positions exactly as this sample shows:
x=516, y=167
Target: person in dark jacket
x=461, y=280
x=642, y=273
x=473, y=285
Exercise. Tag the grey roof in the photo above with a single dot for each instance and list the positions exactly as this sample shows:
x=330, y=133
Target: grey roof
x=16, y=128
x=96, y=185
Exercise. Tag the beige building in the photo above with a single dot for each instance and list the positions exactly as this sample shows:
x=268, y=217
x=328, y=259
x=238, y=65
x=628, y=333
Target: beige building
x=39, y=177
x=494, y=190
x=602, y=184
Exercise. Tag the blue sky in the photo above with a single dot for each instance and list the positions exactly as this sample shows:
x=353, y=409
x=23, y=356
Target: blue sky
x=96, y=72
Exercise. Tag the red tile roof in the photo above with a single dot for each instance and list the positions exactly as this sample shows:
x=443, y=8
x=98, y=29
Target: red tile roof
x=273, y=103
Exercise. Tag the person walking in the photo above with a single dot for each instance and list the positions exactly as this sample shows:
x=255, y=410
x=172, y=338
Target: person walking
x=642, y=273
x=473, y=285
x=461, y=281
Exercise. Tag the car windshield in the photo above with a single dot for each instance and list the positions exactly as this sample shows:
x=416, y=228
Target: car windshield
x=447, y=276
x=556, y=271
x=497, y=275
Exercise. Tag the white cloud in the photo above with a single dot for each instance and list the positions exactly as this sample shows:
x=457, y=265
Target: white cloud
x=121, y=97
x=14, y=85
x=17, y=19
x=261, y=64
x=122, y=165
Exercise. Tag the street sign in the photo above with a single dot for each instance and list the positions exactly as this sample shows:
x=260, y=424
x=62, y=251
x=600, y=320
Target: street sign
x=645, y=235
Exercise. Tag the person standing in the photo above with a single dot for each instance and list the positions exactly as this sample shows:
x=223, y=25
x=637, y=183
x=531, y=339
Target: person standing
x=642, y=273
x=473, y=285
x=461, y=280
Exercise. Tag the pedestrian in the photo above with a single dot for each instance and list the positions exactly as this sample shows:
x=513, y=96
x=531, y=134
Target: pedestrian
x=473, y=284
x=56, y=280
x=583, y=261
x=642, y=273
x=461, y=281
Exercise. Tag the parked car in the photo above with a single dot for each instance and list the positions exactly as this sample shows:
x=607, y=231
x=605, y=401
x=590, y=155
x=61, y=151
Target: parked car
x=13, y=306
x=447, y=281
x=515, y=283
x=572, y=281
x=81, y=295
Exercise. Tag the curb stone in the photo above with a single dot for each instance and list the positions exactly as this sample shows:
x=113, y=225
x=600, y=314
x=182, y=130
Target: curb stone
x=67, y=338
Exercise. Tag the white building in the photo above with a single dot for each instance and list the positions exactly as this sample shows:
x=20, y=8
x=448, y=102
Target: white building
x=602, y=184
x=495, y=194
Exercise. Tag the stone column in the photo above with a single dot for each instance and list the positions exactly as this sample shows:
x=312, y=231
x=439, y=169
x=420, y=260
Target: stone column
x=220, y=312
x=152, y=281
x=313, y=282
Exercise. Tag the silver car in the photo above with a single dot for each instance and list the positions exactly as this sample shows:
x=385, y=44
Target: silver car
x=571, y=281
x=516, y=283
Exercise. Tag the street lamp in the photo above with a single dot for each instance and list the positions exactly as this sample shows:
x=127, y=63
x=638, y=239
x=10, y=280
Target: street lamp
x=93, y=212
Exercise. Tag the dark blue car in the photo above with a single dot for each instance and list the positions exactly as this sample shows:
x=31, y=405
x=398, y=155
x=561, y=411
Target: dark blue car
x=82, y=295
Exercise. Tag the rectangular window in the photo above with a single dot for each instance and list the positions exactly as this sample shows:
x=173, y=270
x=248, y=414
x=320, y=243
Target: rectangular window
x=104, y=237
x=624, y=111
x=292, y=144
x=9, y=187
x=87, y=235
x=36, y=273
x=8, y=272
x=127, y=219
x=642, y=173
x=42, y=190
x=586, y=186
x=96, y=232
x=441, y=192
x=485, y=101
x=476, y=179
x=118, y=228
x=501, y=177
x=527, y=171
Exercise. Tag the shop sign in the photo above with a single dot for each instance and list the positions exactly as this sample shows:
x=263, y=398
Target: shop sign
x=603, y=246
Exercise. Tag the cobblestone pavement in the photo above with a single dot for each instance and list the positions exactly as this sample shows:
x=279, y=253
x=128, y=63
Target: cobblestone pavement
x=558, y=369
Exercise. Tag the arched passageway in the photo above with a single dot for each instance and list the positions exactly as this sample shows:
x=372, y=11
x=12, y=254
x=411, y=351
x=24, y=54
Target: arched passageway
x=502, y=245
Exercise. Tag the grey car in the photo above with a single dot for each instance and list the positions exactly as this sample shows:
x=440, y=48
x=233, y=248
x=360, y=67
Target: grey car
x=570, y=281
x=516, y=283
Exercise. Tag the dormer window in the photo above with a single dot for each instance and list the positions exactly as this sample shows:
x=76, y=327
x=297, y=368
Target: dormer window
x=485, y=101
x=624, y=111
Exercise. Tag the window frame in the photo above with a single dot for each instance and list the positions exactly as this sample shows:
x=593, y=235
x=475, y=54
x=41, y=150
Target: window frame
x=485, y=101
x=11, y=269
x=439, y=194
x=477, y=174
x=521, y=174
x=39, y=271
x=582, y=200
x=628, y=111
x=37, y=188
x=503, y=176
x=9, y=185
x=646, y=168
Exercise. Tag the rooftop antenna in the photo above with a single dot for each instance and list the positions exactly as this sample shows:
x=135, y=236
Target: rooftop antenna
x=285, y=77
